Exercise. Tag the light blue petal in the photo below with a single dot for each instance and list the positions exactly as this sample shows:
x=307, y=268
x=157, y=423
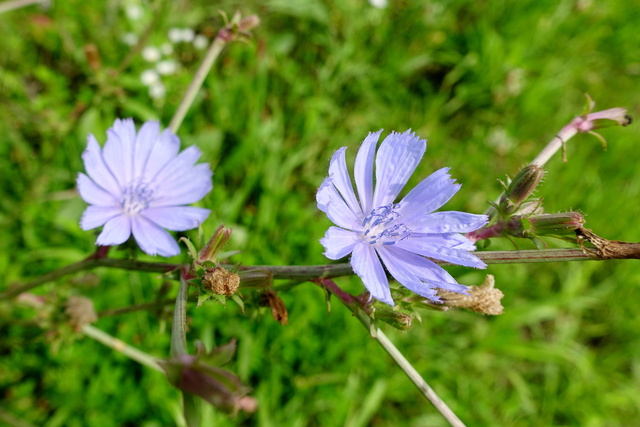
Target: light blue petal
x=365, y=263
x=324, y=196
x=433, y=248
x=116, y=231
x=402, y=271
x=338, y=242
x=165, y=150
x=96, y=216
x=418, y=274
x=363, y=171
x=428, y=271
x=340, y=178
x=397, y=158
x=119, y=149
x=176, y=218
x=447, y=240
x=152, y=239
x=97, y=169
x=429, y=195
x=177, y=166
x=146, y=142
x=447, y=222
x=188, y=188
x=94, y=194
x=332, y=203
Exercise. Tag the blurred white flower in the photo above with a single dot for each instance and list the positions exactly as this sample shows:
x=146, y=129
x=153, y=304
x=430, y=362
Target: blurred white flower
x=157, y=91
x=149, y=77
x=175, y=35
x=129, y=39
x=168, y=66
x=200, y=42
x=166, y=48
x=151, y=54
x=380, y=4
x=188, y=35
x=134, y=11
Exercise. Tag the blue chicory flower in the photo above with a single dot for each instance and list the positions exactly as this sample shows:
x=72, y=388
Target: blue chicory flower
x=138, y=183
x=372, y=228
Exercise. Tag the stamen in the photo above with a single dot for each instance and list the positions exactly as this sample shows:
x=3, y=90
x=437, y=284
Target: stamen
x=137, y=197
x=378, y=221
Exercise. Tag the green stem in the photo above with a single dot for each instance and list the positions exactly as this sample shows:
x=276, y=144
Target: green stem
x=357, y=308
x=311, y=272
x=190, y=95
x=410, y=371
x=122, y=347
x=89, y=264
x=179, y=327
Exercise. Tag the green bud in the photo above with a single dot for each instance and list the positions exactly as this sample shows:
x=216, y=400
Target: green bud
x=545, y=224
x=394, y=318
x=212, y=249
x=520, y=189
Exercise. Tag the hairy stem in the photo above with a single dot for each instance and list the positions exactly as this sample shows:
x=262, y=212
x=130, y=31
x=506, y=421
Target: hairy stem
x=311, y=272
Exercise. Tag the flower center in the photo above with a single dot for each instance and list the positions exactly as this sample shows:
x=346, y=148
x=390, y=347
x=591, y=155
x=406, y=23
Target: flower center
x=384, y=226
x=136, y=197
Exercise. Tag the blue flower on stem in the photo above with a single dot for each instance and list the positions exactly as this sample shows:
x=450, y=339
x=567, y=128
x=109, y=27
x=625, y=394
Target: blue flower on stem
x=372, y=228
x=138, y=183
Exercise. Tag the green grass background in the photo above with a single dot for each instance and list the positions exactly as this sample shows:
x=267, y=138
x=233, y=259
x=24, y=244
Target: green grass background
x=488, y=83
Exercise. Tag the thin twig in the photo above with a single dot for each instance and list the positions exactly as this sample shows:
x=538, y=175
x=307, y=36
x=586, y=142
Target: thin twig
x=16, y=4
x=310, y=272
x=190, y=95
x=122, y=347
x=357, y=308
x=411, y=372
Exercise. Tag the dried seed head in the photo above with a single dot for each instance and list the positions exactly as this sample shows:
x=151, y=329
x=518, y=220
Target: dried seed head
x=483, y=299
x=80, y=311
x=220, y=281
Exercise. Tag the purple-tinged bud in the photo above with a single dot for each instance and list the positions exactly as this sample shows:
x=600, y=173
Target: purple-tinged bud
x=520, y=189
x=221, y=388
x=249, y=23
x=214, y=246
x=398, y=320
x=601, y=119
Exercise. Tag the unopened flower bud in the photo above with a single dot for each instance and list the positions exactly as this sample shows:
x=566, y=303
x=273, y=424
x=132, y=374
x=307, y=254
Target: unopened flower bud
x=80, y=311
x=220, y=281
x=214, y=246
x=602, y=119
x=558, y=224
x=248, y=23
x=200, y=375
x=394, y=318
x=521, y=188
x=483, y=299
